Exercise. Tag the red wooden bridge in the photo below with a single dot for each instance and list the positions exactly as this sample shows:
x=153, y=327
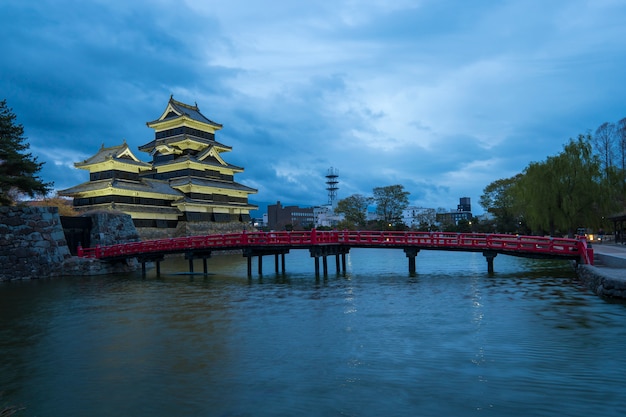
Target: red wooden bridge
x=322, y=244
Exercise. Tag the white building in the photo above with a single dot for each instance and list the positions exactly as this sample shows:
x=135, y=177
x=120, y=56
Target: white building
x=326, y=217
x=413, y=216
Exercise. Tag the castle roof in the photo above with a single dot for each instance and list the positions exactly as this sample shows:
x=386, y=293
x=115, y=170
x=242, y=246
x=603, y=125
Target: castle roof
x=205, y=160
x=205, y=182
x=121, y=153
x=177, y=139
x=177, y=109
x=146, y=185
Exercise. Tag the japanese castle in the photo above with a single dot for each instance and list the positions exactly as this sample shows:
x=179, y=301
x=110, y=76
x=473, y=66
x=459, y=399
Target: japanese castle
x=186, y=189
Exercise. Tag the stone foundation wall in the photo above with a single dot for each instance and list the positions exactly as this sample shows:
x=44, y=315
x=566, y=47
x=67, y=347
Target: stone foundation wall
x=192, y=229
x=110, y=227
x=600, y=281
x=33, y=245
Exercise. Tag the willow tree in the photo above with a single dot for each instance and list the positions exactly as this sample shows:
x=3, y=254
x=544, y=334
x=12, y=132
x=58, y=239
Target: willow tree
x=564, y=192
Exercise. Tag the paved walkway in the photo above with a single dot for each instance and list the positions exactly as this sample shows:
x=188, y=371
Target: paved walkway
x=611, y=249
x=610, y=259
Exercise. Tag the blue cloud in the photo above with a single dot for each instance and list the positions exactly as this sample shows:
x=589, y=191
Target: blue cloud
x=443, y=97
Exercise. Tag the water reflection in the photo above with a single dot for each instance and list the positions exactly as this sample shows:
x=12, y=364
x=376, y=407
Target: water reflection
x=450, y=340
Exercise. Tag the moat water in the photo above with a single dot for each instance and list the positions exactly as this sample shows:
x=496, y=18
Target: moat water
x=451, y=340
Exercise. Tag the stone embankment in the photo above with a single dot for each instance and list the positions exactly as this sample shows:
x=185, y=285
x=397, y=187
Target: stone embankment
x=33, y=245
x=607, y=277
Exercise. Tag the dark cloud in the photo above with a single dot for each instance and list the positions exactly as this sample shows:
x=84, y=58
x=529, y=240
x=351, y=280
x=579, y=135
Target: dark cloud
x=441, y=97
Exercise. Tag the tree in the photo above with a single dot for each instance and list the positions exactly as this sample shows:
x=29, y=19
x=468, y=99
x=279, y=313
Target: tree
x=390, y=201
x=63, y=204
x=426, y=218
x=621, y=142
x=564, y=192
x=604, y=143
x=354, y=209
x=18, y=168
x=499, y=200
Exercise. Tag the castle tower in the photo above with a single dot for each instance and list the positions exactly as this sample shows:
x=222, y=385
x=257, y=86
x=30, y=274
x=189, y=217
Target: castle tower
x=186, y=183
x=185, y=153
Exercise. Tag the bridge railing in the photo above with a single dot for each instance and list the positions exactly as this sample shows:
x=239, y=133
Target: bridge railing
x=461, y=240
x=469, y=241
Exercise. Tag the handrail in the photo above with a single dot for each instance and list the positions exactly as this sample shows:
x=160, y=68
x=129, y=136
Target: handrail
x=430, y=240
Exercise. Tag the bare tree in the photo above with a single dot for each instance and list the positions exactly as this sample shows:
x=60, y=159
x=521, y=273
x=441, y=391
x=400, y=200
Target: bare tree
x=604, y=144
x=621, y=142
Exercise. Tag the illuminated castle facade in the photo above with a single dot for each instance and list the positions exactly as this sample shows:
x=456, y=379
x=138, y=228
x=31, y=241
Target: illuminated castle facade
x=186, y=189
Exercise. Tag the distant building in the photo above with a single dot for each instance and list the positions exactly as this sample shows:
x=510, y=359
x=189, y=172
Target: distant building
x=290, y=217
x=463, y=212
x=186, y=187
x=416, y=216
x=325, y=216
x=464, y=205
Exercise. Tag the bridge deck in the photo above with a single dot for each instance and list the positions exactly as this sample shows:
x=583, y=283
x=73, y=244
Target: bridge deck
x=526, y=246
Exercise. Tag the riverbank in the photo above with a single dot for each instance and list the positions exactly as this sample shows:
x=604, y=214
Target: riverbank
x=607, y=277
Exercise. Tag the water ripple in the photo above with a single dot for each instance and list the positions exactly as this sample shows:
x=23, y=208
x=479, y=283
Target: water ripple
x=450, y=340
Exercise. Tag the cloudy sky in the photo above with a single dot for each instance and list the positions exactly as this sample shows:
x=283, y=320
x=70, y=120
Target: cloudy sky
x=440, y=96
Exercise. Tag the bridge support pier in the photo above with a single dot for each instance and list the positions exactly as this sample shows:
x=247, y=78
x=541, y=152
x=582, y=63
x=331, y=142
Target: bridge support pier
x=282, y=262
x=259, y=253
x=157, y=259
x=204, y=255
x=489, y=255
x=411, y=253
x=323, y=252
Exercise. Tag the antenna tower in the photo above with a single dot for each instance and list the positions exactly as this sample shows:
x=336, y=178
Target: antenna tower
x=331, y=185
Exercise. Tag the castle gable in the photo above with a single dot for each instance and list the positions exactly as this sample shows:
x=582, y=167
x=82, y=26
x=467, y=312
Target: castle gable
x=119, y=156
x=181, y=113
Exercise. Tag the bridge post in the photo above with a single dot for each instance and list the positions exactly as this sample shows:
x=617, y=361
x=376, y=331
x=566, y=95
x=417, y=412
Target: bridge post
x=316, y=252
x=411, y=253
x=337, y=263
x=325, y=264
x=260, y=264
x=282, y=258
x=489, y=255
x=276, y=263
x=249, y=266
x=158, y=268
